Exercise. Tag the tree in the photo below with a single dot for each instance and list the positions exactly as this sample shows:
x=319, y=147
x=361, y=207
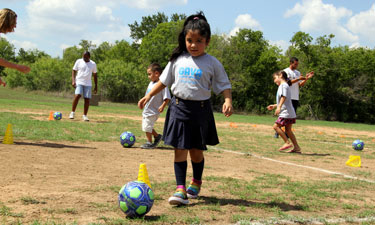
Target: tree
x=71, y=54
x=30, y=56
x=48, y=74
x=158, y=45
x=139, y=31
x=123, y=51
x=100, y=53
x=217, y=45
x=325, y=41
x=302, y=41
x=122, y=81
x=87, y=45
x=250, y=63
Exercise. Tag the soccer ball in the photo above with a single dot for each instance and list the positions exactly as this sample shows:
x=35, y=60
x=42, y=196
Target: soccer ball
x=57, y=115
x=127, y=139
x=358, y=145
x=135, y=199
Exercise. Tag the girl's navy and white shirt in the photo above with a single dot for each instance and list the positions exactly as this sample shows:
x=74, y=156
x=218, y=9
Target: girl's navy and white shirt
x=287, y=110
x=191, y=78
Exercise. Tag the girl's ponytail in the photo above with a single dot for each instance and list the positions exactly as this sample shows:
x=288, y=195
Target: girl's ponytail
x=285, y=77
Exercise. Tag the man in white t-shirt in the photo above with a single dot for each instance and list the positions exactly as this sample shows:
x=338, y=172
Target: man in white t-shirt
x=297, y=80
x=83, y=70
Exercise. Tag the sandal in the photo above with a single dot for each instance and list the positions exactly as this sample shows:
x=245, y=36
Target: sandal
x=294, y=151
x=285, y=147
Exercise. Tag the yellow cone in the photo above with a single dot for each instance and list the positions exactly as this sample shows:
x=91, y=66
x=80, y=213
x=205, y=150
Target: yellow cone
x=8, y=138
x=143, y=175
x=354, y=161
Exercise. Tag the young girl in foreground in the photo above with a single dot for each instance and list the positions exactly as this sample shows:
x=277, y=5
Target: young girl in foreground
x=189, y=124
x=285, y=111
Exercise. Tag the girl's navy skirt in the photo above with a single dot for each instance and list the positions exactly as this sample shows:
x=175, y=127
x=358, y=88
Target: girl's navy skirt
x=190, y=124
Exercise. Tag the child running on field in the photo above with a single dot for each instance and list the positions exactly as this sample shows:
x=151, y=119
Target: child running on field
x=154, y=107
x=189, y=124
x=285, y=111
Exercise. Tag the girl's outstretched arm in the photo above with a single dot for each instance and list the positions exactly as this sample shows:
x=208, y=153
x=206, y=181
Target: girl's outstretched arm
x=156, y=89
x=21, y=68
x=227, y=106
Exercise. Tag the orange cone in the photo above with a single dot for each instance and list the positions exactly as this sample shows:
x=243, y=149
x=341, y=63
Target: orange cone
x=231, y=124
x=50, y=116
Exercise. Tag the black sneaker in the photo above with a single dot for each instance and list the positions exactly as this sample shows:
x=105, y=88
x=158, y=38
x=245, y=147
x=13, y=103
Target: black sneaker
x=157, y=140
x=147, y=145
x=276, y=135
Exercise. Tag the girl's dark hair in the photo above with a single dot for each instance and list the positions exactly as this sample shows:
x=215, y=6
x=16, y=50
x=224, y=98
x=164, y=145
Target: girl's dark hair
x=155, y=67
x=194, y=22
x=284, y=75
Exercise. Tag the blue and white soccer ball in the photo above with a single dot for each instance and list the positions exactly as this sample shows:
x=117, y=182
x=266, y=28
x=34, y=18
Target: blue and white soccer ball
x=358, y=145
x=135, y=199
x=127, y=139
x=57, y=115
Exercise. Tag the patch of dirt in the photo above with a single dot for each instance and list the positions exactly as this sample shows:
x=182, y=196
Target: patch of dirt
x=70, y=181
x=340, y=132
x=79, y=182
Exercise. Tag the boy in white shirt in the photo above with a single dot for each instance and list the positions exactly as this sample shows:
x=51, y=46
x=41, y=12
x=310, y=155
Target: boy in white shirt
x=154, y=107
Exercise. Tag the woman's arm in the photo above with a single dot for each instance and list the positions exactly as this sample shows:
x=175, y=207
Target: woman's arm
x=21, y=68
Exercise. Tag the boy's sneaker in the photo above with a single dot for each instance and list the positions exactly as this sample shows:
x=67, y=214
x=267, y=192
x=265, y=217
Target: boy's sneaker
x=85, y=118
x=193, y=190
x=71, y=115
x=179, y=198
x=147, y=145
x=276, y=135
x=157, y=140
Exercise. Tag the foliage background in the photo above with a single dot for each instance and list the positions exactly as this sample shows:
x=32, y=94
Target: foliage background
x=342, y=89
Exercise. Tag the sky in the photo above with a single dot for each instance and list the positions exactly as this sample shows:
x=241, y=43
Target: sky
x=53, y=25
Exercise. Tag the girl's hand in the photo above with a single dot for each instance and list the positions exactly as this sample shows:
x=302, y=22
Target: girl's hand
x=161, y=109
x=270, y=107
x=277, y=112
x=227, y=109
x=143, y=101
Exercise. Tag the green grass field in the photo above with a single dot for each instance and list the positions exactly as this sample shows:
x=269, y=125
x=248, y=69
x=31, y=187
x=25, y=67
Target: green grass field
x=267, y=193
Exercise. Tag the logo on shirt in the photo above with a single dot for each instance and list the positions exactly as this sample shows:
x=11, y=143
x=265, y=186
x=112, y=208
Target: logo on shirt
x=189, y=74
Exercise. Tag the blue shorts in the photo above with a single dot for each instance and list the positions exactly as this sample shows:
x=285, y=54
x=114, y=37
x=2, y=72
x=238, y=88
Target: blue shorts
x=84, y=91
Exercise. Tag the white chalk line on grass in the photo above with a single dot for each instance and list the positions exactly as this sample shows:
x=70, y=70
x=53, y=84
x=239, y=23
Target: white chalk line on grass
x=297, y=165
